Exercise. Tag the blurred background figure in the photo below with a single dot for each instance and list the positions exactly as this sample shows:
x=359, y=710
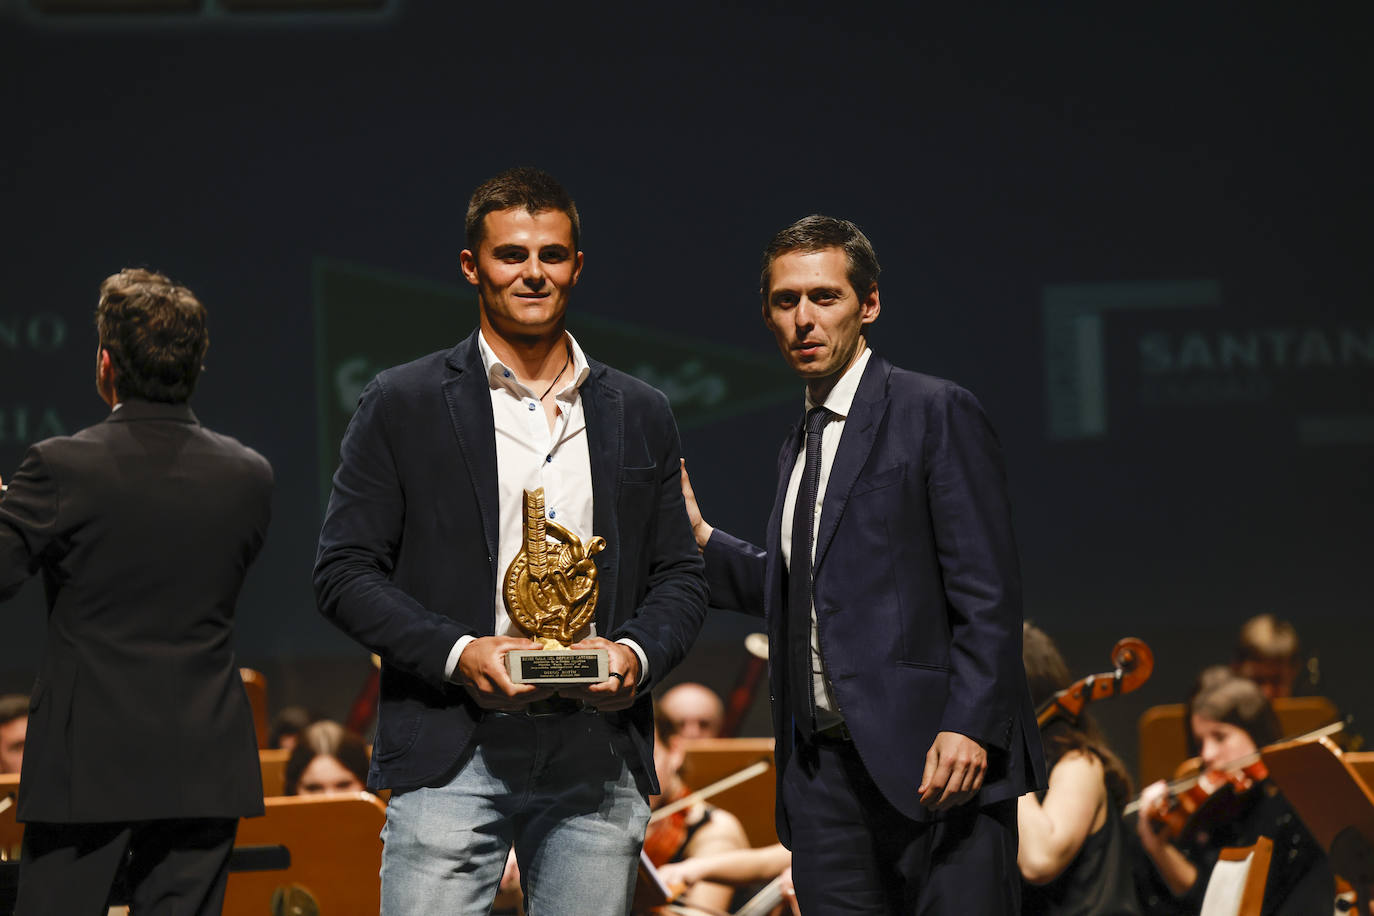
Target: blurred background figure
x=1268, y=653
x=328, y=759
x=691, y=710
x=287, y=726
x=14, y=724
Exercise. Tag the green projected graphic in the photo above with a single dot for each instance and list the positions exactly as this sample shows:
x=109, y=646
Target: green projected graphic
x=367, y=319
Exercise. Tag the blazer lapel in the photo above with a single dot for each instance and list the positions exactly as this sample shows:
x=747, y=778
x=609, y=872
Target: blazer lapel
x=469, y=406
x=603, y=407
x=787, y=459
x=856, y=442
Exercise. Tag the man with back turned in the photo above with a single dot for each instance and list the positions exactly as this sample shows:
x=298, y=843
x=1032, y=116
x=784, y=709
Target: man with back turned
x=141, y=753
x=904, y=731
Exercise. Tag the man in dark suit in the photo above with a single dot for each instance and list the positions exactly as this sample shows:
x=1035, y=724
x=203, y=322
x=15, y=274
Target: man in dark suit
x=425, y=520
x=140, y=740
x=891, y=586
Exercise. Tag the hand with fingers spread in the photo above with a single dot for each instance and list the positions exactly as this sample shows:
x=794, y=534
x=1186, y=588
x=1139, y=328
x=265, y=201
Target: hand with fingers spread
x=482, y=671
x=619, y=690
x=955, y=766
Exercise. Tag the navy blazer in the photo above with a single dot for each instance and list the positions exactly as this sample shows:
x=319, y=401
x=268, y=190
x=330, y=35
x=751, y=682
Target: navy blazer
x=407, y=559
x=143, y=526
x=917, y=589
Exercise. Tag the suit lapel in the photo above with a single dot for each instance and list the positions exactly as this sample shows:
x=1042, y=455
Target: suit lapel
x=603, y=407
x=469, y=405
x=787, y=460
x=856, y=442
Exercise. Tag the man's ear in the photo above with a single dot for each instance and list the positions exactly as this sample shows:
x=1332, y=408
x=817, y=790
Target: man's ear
x=467, y=263
x=105, y=378
x=870, y=306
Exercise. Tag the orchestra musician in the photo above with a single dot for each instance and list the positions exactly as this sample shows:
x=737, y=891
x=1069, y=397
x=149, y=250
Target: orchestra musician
x=701, y=829
x=1268, y=653
x=328, y=759
x=1231, y=719
x=740, y=868
x=693, y=710
x=1073, y=850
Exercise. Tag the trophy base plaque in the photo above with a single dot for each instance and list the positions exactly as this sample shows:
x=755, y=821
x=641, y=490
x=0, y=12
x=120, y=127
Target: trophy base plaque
x=558, y=666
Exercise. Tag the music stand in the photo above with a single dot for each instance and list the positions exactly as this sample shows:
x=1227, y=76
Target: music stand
x=1334, y=802
x=708, y=760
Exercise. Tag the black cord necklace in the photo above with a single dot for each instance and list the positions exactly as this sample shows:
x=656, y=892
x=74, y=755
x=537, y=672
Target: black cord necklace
x=566, y=363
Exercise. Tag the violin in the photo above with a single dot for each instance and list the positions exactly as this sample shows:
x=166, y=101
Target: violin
x=665, y=836
x=1196, y=803
x=1134, y=663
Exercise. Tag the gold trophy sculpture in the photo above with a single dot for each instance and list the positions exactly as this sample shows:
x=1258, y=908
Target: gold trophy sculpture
x=551, y=592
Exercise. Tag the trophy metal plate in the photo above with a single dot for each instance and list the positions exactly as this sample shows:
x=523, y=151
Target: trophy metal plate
x=550, y=591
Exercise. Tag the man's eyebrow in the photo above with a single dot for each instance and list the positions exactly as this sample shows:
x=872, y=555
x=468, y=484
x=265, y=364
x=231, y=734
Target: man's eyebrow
x=508, y=248
x=558, y=247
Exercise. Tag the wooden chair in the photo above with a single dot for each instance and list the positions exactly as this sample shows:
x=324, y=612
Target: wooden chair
x=1362, y=762
x=708, y=760
x=1236, y=887
x=255, y=685
x=273, y=763
x=11, y=831
x=1164, y=734
x=335, y=848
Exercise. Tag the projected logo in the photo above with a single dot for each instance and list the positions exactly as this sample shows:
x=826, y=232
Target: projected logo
x=368, y=319
x=1133, y=355
x=30, y=347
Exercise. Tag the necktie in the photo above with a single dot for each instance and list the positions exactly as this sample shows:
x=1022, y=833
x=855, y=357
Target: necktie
x=799, y=595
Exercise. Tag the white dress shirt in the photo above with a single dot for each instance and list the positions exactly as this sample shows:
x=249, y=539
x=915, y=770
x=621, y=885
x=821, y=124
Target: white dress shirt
x=529, y=455
x=838, y=402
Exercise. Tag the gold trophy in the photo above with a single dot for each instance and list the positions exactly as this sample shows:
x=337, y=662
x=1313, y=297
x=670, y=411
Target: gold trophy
x=551, y=591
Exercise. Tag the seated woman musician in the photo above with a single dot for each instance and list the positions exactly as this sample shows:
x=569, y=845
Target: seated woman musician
x=1231, y=720
x=697, y=830
x=327, y=759
x=1073, y=848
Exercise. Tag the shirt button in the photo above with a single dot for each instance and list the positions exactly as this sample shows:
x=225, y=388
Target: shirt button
x=507, y=373
x=553, y=513
x=548, y=458
x=531, y=405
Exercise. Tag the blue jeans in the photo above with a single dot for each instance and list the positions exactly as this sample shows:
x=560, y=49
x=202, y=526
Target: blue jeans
x=557, y=787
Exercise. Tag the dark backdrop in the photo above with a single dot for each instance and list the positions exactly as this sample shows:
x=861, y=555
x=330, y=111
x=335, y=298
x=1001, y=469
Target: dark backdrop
x=1141, y=237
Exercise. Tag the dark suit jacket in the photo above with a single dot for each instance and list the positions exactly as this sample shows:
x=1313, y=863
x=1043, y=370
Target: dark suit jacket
x=143, y=527
x=917, y=588
x=408, y=553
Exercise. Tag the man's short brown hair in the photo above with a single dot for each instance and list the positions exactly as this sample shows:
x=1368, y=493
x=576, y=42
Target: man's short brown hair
x=817, y=233
x=156, y=335
x=13, y=706
x=531, y=189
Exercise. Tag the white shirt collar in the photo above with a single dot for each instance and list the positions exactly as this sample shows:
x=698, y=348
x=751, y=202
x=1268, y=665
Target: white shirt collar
x=499, y=375
x=841, y=397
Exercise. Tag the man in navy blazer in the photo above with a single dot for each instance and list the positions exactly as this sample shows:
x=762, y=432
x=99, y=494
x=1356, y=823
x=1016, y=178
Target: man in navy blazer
x=424, y=521
x=904, y=726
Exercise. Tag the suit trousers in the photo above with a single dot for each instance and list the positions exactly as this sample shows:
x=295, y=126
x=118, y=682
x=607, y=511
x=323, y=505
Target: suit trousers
x=159, y=868
x=853, y=853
